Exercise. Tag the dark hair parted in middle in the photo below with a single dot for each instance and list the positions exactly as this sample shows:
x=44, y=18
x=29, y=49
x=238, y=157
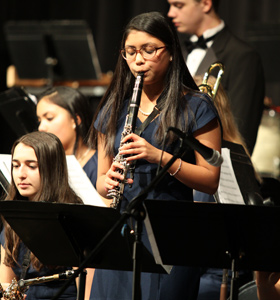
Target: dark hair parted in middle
x=177, y=82
x=76, y=104
x=54, y=186
x=52, y=168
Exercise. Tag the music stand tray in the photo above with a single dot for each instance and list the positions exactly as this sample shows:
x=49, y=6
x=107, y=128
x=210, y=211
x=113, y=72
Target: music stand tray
x=64, y=234
x=213, y=235
x=59, y=50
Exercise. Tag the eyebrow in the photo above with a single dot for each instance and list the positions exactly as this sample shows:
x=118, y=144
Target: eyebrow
x=177, y=2
x=146, y=44
x=47, y=112
x=28, y=160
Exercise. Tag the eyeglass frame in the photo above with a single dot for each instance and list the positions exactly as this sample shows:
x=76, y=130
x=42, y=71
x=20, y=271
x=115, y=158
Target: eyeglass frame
x=122, y=51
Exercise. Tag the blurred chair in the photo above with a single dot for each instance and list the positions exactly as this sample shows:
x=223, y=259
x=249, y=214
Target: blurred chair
x=248, y=291
x=270, y=191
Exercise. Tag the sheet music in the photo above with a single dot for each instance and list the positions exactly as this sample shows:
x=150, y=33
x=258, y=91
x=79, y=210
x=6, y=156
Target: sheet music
x=81, y=183
x=228, y=190
x=78, y=179
x=5, y=166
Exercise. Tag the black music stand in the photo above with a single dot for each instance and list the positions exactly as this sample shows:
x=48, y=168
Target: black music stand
x=17, y=116
x=65, y=234
x=214, y=235
x=58, y=50
x=19, y=111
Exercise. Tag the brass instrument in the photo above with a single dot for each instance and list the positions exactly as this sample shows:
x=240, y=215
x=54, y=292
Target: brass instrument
x=205, y=87
x=16, y=290
x=129, y=127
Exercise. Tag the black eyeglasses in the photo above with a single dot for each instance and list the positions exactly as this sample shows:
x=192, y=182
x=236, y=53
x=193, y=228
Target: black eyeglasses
x=147, y=52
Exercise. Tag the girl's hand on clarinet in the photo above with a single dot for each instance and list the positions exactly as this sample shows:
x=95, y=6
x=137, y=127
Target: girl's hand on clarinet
x=113, y=176
x=139, y=148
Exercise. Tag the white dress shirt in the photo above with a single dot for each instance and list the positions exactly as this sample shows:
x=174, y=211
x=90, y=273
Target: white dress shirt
x=196, y=56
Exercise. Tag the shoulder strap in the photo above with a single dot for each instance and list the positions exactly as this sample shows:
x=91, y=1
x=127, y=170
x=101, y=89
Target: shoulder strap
x=25, y=264
x=151, y=116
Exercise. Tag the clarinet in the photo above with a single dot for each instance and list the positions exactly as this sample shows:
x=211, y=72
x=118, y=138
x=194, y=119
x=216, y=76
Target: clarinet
x=117, y=193
x=16, y=290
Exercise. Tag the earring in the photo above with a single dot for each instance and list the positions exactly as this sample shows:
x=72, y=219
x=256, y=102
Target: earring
x=171, y=58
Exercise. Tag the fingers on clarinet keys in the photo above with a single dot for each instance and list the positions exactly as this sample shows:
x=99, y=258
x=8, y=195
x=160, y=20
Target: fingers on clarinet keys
x=113, y=192
x=12, y=292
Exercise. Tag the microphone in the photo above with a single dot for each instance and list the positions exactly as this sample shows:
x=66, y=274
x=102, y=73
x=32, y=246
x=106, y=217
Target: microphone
x=212, y=156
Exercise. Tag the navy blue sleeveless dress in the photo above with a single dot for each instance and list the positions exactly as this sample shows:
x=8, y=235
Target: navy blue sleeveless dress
x=90, y=168
x=182, y=282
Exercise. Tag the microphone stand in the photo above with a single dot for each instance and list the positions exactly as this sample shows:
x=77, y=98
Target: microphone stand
x=136, y=210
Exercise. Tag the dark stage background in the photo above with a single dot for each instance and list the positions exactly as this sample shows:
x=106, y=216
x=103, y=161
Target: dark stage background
x=257, y=21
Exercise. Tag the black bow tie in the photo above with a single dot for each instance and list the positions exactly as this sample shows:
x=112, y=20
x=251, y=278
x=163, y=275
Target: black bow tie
x=200, y=43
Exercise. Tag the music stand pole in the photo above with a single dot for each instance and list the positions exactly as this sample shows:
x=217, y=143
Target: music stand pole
x=234, y=287
x=51, y=63
x=137, y=253
x=82, y=285
x=136, y=210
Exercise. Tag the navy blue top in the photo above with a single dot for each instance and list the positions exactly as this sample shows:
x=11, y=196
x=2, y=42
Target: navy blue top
x=202, y=111
x=90, y=168
x=202, y=197
x=45, y=290
x=182, y=282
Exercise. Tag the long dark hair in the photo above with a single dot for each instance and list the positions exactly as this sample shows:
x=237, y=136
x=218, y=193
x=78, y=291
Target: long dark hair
x=178, y=79
x=54, y=186
x=76, y=104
